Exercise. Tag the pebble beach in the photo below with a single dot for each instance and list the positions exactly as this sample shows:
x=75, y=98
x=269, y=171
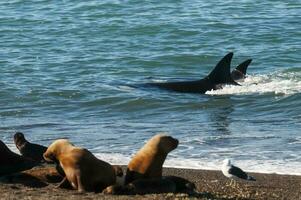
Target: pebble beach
x=40, y=183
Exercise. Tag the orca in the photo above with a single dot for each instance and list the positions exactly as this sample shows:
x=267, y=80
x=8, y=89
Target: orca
x=240, y=71
x=218, y=77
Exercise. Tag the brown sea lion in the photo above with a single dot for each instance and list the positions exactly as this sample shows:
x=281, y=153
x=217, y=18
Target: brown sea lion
x=11, y=162
x=47, y=174
x=148, y=162
x=83, y=170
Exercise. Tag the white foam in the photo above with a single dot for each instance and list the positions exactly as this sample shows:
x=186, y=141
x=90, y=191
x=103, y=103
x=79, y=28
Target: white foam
x=279, y=84
x=114, y=159
x=259, y=166
x=297, y=141
x=125, y=88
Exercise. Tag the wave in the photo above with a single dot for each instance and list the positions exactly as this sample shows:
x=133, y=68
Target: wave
x=285, y=83
x=258, y=166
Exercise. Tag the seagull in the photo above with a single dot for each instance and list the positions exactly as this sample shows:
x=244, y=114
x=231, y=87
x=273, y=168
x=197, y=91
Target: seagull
x=234, y=172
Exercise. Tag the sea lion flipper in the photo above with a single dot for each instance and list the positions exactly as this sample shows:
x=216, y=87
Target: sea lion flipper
x=64, y=184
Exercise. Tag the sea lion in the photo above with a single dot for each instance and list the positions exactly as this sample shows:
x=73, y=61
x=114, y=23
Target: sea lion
x=165, y=184
x=47, y=174
x=37, y=177
x=33, y=151
x=148, y=162
x=27, y=149
x=83, y=170
x=182, y=185
x=218, y=77
x=143, y=186
x=11, y=162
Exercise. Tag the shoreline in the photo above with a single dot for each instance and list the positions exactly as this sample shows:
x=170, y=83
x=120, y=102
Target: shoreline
x=270, y=168
x=210, y=184
x=209, y=169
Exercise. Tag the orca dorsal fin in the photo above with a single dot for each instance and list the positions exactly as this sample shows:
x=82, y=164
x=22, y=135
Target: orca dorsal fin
x=242, y=67
x=221, y=73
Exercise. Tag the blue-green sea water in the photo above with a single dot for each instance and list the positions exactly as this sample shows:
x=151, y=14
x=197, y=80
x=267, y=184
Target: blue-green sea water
x=67, y=69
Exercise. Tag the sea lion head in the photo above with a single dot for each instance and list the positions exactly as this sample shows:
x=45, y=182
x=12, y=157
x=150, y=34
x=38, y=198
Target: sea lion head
x=19, y=139
x=166, y=143
x=56, y=149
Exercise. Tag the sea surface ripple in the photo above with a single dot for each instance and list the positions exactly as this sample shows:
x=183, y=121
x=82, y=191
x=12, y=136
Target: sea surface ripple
x=75, y=69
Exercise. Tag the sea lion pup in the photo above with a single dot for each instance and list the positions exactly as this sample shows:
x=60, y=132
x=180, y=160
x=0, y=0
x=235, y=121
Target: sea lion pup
x=166, y=184
x=148, y=162
x=27, y=149
x=83, y=170
x=143, y=186
x=11, y=162
x=182, y=185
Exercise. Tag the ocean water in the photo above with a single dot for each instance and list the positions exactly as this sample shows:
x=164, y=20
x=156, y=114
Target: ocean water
x=69, y=69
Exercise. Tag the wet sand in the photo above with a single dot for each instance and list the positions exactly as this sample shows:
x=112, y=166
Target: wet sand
x=41, y=182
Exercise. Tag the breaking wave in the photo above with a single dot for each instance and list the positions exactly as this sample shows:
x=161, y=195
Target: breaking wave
x=276, y=83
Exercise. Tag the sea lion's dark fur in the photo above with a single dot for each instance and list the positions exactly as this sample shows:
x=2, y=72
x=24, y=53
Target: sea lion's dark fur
x=27, y=149
x=166, y=184
x=11, y=162
x=33, y=151
x=143, y=186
